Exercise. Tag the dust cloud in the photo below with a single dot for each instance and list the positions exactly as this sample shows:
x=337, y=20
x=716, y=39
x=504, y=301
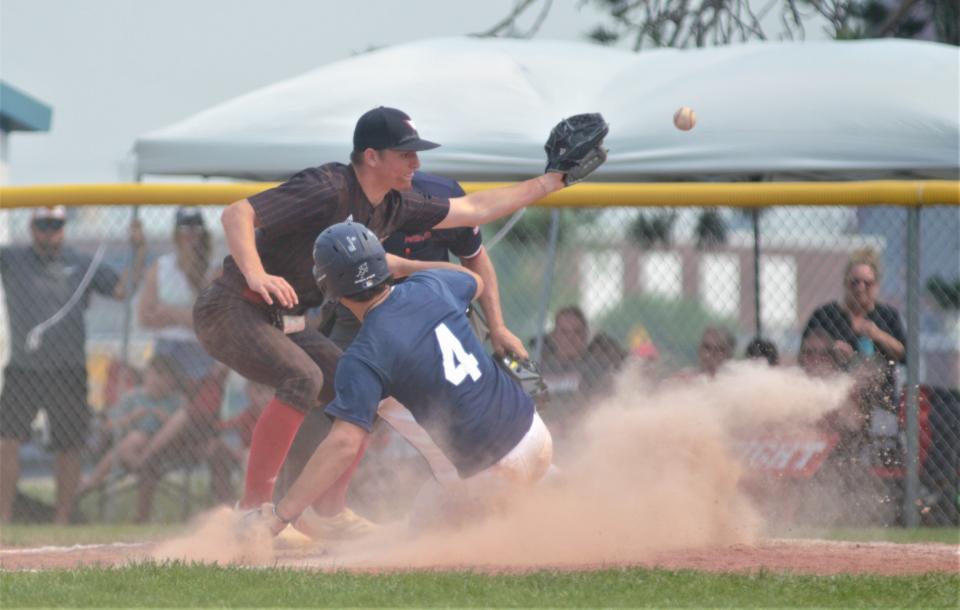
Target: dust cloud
x=654, y=470
x=218, y=537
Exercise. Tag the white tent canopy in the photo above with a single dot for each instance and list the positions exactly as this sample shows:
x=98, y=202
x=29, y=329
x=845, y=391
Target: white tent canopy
x=824, y=110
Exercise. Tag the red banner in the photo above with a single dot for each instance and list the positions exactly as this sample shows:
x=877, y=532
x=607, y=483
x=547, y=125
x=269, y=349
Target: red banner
x=786, y=455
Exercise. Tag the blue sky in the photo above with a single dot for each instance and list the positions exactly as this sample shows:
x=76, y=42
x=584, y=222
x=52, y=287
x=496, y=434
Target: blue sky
x=114, y=69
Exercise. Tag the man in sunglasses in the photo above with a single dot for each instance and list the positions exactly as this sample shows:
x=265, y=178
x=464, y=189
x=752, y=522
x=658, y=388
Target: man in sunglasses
x=47, y=287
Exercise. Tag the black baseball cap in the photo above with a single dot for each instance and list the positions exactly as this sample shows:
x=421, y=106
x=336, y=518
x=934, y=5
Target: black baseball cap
x=383, y=128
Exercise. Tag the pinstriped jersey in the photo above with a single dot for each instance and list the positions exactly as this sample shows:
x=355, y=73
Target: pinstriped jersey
x=292, y=214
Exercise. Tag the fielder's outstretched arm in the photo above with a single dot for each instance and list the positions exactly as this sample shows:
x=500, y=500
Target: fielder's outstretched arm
x=482, y=207
x=574, y=150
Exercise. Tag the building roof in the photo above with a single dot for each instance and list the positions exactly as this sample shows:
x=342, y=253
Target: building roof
x=22, y=112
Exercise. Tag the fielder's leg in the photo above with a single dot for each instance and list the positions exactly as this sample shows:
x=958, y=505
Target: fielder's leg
x=241, y=335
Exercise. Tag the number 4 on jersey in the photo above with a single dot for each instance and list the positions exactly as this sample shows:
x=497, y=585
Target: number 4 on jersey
x=457, y=363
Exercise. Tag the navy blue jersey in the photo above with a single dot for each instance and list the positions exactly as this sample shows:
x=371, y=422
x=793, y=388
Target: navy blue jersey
x=435, y=244
x=418, y=347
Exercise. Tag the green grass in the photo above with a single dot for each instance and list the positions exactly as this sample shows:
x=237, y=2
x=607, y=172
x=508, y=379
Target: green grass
x=946, y=535
x=40, y=535
x=180, y=585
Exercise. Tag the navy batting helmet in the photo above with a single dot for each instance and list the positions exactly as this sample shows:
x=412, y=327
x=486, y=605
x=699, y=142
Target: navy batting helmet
x=348, y=260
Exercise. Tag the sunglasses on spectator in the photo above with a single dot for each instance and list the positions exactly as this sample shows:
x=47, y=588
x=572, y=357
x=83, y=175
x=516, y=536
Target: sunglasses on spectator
x=854, y=282
x=48, y=224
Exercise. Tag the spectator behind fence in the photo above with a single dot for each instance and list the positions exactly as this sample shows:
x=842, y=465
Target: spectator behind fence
x=863, y=328
x=564, y=368
x=136, y=417
x=564, y=351
x=166, y=303
x=47, y=287
x=819, y=357
x=120, y=378
x=762, y=349
x=183, y=442
x=166, y=306
x=604, y=358
x=717, y=346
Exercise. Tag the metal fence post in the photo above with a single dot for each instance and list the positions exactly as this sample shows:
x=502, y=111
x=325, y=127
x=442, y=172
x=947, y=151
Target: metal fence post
x=758, y=320
x=912, y=482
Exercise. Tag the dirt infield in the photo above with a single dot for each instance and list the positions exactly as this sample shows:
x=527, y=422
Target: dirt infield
x=777, y=555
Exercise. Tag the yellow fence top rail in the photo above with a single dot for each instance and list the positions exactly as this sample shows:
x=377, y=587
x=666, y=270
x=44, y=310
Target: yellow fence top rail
x=589, y=194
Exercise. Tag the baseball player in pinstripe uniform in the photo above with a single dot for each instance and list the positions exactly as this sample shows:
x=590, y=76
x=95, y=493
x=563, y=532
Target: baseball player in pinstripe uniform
x=251, y=318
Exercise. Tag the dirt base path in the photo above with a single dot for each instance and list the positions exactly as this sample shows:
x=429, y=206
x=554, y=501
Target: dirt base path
x=777, y=555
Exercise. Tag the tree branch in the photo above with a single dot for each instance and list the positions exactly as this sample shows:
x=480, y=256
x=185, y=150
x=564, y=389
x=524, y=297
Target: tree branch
x=893, y=20
x=507, y=21
x=540, y=19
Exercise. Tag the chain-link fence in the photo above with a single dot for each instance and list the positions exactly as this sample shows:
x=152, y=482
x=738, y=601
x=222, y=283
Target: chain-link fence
x=679, y=289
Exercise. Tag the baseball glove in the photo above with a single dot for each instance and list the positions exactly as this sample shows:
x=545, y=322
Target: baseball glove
x=575, y=146
x=527, y=375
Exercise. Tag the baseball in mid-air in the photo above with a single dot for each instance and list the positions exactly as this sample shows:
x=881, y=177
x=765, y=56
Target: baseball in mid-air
x=685, y=118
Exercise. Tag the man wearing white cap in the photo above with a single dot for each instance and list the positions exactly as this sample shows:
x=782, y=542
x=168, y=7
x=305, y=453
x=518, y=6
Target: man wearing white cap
x=47, y=287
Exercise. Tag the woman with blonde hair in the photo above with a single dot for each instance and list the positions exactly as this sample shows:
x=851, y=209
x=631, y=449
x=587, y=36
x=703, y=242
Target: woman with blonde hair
x=170, y=288
x=861, y=326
